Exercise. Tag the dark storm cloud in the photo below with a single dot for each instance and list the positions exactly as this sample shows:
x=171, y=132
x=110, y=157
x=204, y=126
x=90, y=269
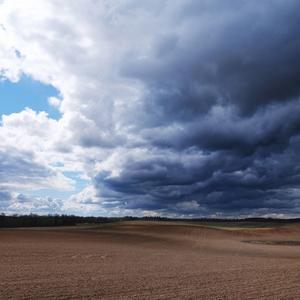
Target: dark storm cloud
x=220, y=114
x=245, y=54
x=269, y=130
x=219, y=182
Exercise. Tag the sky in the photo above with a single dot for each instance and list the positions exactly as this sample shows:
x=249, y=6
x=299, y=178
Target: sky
x=17, y=96
x=163, y=107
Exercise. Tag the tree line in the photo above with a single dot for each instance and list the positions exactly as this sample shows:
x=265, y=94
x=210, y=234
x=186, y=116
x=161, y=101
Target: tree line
x=33, y=220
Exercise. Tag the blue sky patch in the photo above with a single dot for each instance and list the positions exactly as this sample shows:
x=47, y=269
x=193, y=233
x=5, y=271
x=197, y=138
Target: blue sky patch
x=14, y=97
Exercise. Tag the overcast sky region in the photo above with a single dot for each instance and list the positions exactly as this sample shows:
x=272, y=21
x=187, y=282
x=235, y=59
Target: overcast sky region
x=162, y=107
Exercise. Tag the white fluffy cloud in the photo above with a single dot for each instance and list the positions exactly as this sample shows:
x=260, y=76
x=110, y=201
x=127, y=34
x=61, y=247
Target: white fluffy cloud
x=27, y=141
x=19, y=203
x=71, y=46
x=54, y=101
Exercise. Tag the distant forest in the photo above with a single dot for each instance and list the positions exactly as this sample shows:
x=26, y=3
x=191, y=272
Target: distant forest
x=32, y=220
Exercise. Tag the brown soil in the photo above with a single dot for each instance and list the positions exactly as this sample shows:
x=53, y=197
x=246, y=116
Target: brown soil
x=149, y=260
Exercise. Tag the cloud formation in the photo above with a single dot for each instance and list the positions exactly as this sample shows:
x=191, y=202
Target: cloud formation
x=186, y=108
x=18, y=203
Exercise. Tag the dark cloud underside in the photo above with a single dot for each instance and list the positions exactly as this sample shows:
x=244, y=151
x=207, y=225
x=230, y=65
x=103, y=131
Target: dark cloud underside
x=220, y=114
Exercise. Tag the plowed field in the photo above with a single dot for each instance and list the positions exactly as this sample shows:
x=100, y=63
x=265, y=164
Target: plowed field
x=150, y=260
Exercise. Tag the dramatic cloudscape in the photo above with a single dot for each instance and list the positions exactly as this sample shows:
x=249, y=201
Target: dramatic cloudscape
x=173, y=108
